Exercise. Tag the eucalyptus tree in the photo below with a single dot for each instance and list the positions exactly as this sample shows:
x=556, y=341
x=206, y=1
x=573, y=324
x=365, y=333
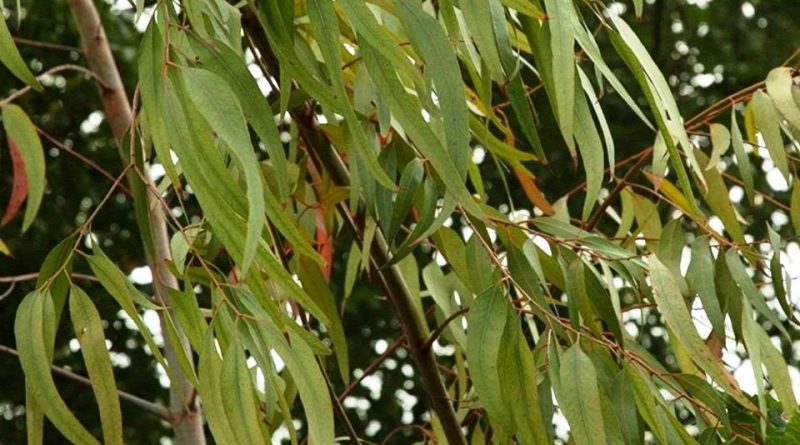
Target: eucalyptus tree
x=382, y=103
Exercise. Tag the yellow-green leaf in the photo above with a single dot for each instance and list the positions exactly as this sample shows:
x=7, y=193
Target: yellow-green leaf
x=89, y=332
x=34, y=317
x=12, y=60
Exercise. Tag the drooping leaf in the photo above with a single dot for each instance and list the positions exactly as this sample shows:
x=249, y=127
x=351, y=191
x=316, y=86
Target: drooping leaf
x=779, y=87
x=19, y=189
x=22, y=134
x=487, y=319
x=436, y=50
x=672, y=306
x=34, y=318
x=12, y=59
x=89, y=332
x=238, y=396
x=579, y=397
x=768, y=123
x=742, y=161
x=562, y=47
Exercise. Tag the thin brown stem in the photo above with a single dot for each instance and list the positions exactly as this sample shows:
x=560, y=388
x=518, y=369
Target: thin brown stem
x=146, y=405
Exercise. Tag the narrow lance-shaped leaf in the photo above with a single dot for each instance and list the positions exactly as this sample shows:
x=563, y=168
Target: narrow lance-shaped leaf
x=407, y=113
x=768, y=123
x=632, y=59
x=779, y=86
x=22, y=133
x=672, y=306
x=227, y=64
x=742, y=161
x=487, y=318
x=89, y=332
x=118, y=286
x=151, y=83
x=435, y=49
x=776, y=270
x=562, y=47
x=601, y=118
x=750, y=291
x=12, y=60
x=410, y=181
x=219, y=106
x=238, y=395
x=579, y=397
x=34, y=315
x=326, y=27
x=591, y=149
x=477, y=15
x=700, y=269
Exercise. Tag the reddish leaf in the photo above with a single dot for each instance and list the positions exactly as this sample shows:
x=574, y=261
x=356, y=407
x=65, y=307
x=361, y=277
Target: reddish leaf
x=20, y=188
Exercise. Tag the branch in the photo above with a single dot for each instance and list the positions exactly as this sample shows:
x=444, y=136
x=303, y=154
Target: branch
x=389, y=277
x=183, y=407
x=50, y=72
x=146, y=405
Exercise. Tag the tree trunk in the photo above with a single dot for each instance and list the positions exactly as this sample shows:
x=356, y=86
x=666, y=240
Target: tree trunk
x=187, y=420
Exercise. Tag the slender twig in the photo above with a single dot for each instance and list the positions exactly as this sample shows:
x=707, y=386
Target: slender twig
x=372, y=367
x=435, y=334
x=35, y=275
x=93, y=165
x=56, y=69
x=146, y=405
x=46, y=45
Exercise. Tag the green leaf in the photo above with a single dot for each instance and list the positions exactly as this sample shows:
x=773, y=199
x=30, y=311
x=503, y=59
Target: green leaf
x=151, y=89
x=794, y=210
x=188, y=314
x=432, y=44
x=326, y=27
x=89, y=332
x=406, y=111
x=486, y=322
x=591, y=150
x=776, y=272
x=589, y=45
x=768, y=124
x=410, y=180
x=579, y=397
x=209, y=375
x=478, y=17
x=750, y=291
x=219, y=106
x=673, y=308
x=700, y=269
x=224, y=62
x=22, y=133
x=35, y=318
x=779, y=86
x=562, y=47
x=318, y=288
x=720, y=142
x=518, y=381
x=722, y=208
x=659, y=97
x=742, y=161
x=12, y=60
x=608, y=139
x=116, y=284
x=238, y=396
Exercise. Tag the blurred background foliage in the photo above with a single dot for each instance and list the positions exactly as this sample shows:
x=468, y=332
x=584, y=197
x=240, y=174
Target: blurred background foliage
x=707, y=49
